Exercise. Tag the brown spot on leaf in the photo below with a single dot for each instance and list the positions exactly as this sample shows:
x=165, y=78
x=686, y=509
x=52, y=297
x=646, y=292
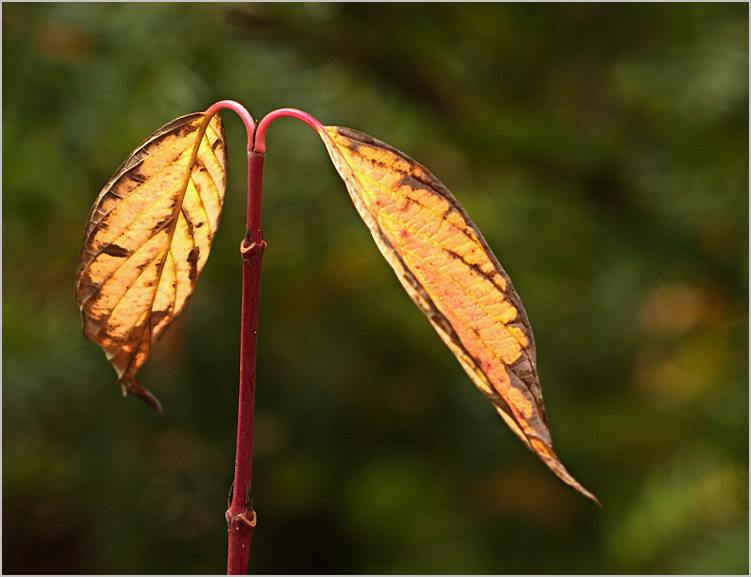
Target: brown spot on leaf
x=158, y=316
x=193, y=261
x=116, y=251
x=138, y=177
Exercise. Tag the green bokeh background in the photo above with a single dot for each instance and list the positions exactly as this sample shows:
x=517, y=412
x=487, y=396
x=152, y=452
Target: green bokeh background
x=603, y=151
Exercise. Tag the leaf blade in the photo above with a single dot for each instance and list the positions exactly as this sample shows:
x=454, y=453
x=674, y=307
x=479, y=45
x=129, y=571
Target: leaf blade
x=449, y=271
x=147, y=239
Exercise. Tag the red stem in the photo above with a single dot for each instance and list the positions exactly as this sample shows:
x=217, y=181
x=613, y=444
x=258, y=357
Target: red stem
x=241, y=518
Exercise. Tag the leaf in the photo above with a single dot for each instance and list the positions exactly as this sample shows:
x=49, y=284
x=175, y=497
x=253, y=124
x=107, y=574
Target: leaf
x=449, y=271
x=147, y=239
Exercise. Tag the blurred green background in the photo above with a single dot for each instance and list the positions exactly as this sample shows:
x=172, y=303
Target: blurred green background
x=603, y=151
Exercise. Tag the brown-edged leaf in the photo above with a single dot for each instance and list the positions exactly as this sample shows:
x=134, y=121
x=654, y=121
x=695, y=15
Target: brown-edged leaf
x=147, y=239
x=447, y=268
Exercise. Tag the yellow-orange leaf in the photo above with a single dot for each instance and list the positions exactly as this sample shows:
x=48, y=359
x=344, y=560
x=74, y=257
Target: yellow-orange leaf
x=147, y=239
x=447, y=268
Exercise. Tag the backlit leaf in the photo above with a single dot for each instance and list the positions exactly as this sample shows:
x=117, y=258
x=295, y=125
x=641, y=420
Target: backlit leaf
x=147, y=239
x=447, y=268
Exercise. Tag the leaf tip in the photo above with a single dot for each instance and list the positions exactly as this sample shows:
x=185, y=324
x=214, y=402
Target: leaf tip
x=567, y=478
x=139, y=390
x=547, y=455
x=589, y=496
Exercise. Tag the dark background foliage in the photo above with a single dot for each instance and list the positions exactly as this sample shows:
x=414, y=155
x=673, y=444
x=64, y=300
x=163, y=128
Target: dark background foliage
x=603, y=151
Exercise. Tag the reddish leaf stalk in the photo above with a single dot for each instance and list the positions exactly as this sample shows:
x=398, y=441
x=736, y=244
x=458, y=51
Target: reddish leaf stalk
x=260, y=139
